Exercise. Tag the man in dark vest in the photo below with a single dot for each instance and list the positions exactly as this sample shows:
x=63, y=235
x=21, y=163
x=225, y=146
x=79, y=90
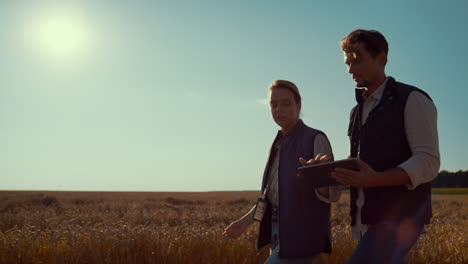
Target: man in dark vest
x=393, y=132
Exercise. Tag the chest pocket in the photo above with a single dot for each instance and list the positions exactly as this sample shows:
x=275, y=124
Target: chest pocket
x=385, y=126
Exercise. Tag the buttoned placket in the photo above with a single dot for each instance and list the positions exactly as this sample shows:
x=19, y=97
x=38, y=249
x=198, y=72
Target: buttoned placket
x=359, y=229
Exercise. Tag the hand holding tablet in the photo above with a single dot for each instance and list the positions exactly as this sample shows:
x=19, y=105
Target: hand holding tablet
x=318, y=175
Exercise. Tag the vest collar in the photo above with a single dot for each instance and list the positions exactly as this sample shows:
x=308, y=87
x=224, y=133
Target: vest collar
x=378, y=94
x=298, y=127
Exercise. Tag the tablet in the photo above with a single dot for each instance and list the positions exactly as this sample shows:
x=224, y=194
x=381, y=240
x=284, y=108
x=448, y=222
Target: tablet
x=318, y=175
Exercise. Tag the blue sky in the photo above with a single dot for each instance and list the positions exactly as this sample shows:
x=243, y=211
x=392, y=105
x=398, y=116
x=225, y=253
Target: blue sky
x=169, y=95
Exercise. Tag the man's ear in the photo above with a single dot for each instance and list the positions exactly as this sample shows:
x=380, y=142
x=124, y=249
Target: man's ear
x=300, y=108
x=382, y=58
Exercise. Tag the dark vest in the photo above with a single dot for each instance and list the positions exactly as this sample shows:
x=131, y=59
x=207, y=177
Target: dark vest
x=304, y=221
x=383, y=145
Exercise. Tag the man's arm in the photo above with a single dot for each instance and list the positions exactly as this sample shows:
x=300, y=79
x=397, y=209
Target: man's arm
x=421, y=131
x=368, y=177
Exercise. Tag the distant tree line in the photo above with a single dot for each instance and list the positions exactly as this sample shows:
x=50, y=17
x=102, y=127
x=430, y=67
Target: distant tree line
x=447, y=179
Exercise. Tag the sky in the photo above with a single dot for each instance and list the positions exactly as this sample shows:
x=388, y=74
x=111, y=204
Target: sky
x=172, y=95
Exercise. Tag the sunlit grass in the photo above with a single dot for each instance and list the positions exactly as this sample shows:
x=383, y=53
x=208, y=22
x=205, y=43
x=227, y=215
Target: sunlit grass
x=179, y=228
x=449, y=190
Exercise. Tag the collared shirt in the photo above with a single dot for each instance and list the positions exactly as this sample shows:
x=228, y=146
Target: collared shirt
x=420, y=117
x=321, y=145
x=272, y=191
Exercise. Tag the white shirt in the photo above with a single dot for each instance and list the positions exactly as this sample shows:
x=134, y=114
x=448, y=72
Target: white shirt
x=420, y=117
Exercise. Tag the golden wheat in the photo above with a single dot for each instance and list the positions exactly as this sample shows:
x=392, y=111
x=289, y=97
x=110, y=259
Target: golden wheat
x=84, y=227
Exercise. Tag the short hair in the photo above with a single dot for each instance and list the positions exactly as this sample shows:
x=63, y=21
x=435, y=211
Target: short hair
x=289, y=86
x=374, y=42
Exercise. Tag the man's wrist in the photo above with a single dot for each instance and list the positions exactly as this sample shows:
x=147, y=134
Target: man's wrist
x=248, y=219
x=378, y=179
x=391, y=177
x=324, y=191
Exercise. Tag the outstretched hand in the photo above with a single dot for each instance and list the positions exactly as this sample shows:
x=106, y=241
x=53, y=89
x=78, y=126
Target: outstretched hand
x=320, y=158
x=235, y=229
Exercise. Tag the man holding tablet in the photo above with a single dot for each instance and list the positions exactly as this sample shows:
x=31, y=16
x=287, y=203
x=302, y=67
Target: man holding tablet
x=393, y=133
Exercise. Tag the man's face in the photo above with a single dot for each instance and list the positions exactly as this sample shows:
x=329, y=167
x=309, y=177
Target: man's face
x=284, y=109
x=364, y=69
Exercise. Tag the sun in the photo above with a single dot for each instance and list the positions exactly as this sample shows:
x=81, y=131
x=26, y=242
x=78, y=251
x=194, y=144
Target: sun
x=60, y=33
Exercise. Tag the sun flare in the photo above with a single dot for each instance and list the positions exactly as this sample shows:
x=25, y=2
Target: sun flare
x=60, y=34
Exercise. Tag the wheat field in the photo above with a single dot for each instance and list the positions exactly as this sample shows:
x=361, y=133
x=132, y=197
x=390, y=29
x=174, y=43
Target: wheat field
x=92, y=227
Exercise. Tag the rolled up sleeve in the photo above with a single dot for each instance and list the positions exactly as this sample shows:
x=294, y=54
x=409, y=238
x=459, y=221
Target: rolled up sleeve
x=421, y=131
x=322, y=145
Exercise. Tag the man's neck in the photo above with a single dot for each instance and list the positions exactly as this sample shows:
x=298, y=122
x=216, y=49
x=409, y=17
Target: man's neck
x=374, y=86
